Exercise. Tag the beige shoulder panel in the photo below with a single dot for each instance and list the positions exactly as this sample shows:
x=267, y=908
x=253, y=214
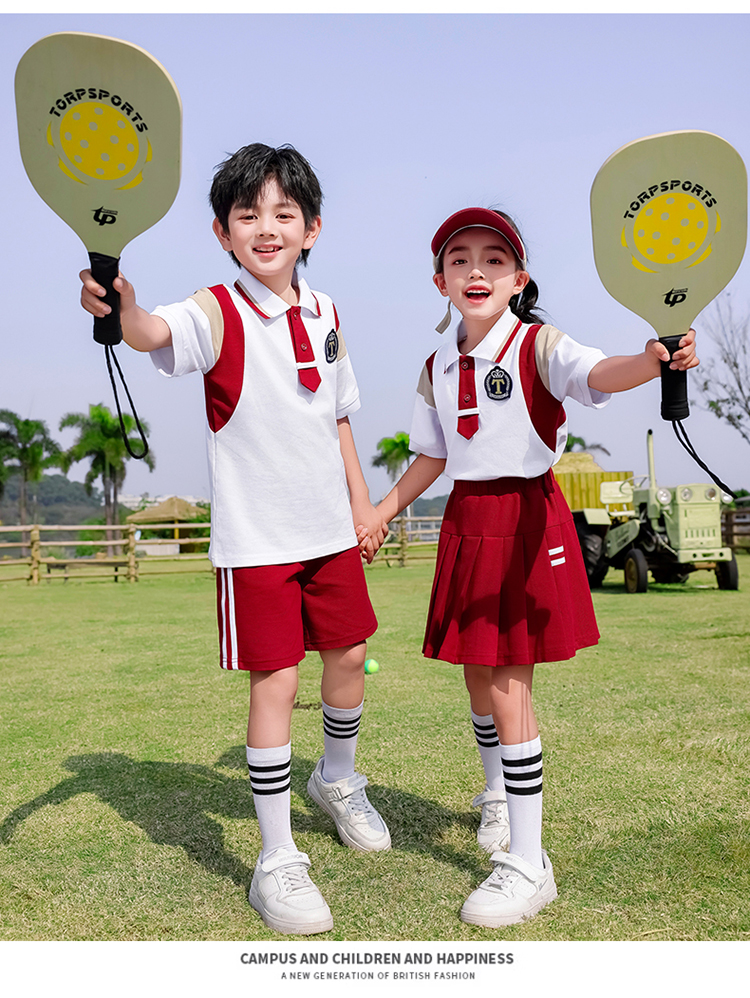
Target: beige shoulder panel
x=342, y=346
x=208, y=303
x=546, y=340
x=425, y=389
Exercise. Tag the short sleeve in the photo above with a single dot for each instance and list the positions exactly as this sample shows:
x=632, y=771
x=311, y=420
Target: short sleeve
x=192, y=347
x=565, y=366
x=426, y=435
x=347, y=390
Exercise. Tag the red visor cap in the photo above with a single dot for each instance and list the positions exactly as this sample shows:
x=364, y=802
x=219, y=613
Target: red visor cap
x=469, y=218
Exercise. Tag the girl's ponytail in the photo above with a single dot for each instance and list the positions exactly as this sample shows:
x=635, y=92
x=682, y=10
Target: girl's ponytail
x=523, y=305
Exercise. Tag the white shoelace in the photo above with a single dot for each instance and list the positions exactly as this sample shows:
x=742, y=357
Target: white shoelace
x=502, y=879
x=493, y=814
x=295, y=877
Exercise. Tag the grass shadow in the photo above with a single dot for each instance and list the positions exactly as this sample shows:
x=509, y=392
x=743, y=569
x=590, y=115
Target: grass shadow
x=416, y=823
x=171, y=802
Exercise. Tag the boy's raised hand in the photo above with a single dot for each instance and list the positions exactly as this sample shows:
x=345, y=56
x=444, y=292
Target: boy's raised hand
x=92, y=294
x=140, y=330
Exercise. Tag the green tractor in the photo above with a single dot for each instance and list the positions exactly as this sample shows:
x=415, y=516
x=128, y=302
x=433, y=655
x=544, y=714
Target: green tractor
x=669, y=532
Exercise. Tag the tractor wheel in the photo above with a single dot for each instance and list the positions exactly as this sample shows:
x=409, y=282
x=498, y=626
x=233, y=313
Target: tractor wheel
x=594, y=558
x=636, y=571
x=727, y=574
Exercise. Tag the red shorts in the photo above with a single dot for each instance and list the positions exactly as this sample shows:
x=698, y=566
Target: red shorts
x=510, y=585
x=270, y=615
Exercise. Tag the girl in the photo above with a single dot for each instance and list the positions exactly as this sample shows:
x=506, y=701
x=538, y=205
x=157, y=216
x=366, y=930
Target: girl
x=510, y=588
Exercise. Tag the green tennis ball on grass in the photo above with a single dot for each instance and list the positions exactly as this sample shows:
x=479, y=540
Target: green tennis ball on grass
x=371, y=666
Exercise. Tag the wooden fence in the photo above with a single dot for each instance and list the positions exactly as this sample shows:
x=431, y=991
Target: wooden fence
x=121, y=556
x=735, y=528
x=115, y=556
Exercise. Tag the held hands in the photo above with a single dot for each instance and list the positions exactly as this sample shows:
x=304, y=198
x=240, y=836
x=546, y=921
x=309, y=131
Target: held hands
x=370, y=527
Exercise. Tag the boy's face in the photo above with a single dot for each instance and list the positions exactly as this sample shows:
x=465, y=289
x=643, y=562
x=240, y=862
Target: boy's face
x=480, y=273
x=268, y=238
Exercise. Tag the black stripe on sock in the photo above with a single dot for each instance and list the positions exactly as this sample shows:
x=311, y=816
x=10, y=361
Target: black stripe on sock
x=274, y=790
x=523, y=791
x=531, y=760
x=338, y=722
x=520, y=777
x=277, y=767
x=345, y=729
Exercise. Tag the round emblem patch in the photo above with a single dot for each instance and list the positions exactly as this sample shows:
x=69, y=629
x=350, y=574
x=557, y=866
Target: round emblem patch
x=498, y=384
x=332, y=346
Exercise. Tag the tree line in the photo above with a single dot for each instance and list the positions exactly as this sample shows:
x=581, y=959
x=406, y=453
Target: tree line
x=27, y=450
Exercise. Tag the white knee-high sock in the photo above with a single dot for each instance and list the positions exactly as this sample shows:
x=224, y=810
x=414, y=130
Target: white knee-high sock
x=340, y=731
x=489, y=749
x=270, y=777
x=522, y=767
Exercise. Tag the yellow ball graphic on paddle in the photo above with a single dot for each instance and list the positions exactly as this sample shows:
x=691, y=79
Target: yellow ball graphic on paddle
x=97, y=142
x=674, y=228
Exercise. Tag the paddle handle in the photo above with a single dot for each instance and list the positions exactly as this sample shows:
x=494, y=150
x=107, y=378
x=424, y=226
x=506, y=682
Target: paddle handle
x=104, y=270
x=674, y=397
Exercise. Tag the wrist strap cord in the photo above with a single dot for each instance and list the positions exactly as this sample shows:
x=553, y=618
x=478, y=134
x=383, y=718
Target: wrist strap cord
x=110, y=355
x=681, y=434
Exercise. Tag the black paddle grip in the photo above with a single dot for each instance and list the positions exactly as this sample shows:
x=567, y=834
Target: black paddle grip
x=104, y=269
x=674, y=397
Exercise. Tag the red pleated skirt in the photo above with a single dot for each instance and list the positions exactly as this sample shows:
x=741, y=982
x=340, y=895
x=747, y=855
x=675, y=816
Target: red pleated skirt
x=510, y=585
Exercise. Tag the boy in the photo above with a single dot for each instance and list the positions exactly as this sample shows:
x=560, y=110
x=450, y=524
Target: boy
x=279, y=390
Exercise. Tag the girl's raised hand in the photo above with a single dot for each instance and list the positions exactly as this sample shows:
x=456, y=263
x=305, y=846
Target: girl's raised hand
x=683, y=359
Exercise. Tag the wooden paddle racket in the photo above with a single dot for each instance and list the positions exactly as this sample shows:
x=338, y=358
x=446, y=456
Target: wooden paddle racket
x=99, y=126
x=669, y=224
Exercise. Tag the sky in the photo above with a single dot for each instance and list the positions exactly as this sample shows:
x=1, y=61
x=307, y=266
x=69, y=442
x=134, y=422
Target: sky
x=406, y=118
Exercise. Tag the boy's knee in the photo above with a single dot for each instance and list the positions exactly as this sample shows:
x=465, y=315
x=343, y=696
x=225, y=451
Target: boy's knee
x=350, y=659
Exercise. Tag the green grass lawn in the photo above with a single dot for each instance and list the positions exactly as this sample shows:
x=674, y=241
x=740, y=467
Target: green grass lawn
x=126, y=812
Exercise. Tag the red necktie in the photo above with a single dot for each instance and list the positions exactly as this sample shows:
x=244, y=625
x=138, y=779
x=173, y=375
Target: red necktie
x=303, y=351
x=468, y=422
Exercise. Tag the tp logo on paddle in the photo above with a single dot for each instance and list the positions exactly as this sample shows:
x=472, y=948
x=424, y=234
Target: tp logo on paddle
x=105, y=216
x=671, y=225
x=673, y=297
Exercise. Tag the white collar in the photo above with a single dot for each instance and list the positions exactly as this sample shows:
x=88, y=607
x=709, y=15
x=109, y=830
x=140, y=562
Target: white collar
x=269, y=303
x=490, y=346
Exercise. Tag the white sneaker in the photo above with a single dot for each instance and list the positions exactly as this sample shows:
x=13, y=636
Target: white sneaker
x=285, y=897
x=513, y=892
x=358, y=823
x=493, y=834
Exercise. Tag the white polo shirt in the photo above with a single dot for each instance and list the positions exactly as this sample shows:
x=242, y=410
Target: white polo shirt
x=518, y=397
x=278, y=487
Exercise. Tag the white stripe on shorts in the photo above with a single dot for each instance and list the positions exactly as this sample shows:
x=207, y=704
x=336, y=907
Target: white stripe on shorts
x=228, y=620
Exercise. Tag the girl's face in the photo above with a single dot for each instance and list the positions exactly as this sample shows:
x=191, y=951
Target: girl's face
x=480, y=274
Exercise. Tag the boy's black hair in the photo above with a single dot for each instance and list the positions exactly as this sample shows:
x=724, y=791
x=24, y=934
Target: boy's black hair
x=240, y=180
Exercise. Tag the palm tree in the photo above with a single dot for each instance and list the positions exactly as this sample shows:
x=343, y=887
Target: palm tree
x=579, y=442
x=100, y=440
x=25, y=446
x=394, y=457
